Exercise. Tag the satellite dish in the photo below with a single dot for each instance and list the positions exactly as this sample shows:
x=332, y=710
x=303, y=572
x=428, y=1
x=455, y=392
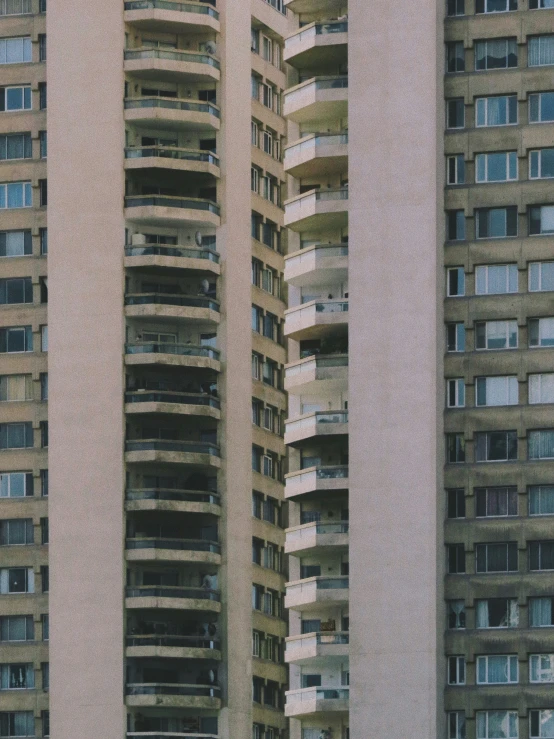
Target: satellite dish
x=198, y=238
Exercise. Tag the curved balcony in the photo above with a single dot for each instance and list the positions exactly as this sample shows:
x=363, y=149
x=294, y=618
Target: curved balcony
x=177, y=501
x=168, y=735
x=323, y=537
x=313, y=648
x=310, y=425
x=316, y=45
x=167, y=210
x=318, y=264
x=312, y=320
x=320, y=98
x=157, y=401
x=172, y=647
x=172, y=158
x=172, y=598
x=320, y=7
x=175, y=355
x=318, y=210
x=317, y=374
x=173, y=113
x=172, y=695
x=313, y=592
x=161, y=256
x=171, y=64
x=164, y=16
x=316, y=701
x=146, y=549
x=140, y=451
x=163, y=305
x=317, y=155
x=316, y=480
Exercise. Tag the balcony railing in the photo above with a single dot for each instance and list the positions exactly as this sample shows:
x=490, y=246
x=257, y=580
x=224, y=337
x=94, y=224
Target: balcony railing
x=15, y=7
x=168, y=640
x=166, y=445
x=311, y=144
x=317, y=29
x=159, y=250
x=166, y=591
x=311, y=640
x=194, y=691
x=317, y=306
x=169, y=735
x=314, y=363
x=334, y=472
x=186, y=301
x=170, y=201
x=317, y=694
x=164, y=5
x=172, y=104
x=171, y=152
x=317, y=83
x=301, y=533
x=183, y=350
x=158, y=396
x=173, y=55
x=318, y=583
x=295, y=206
x=187, y=496
x=183, y=545
x=321, y=417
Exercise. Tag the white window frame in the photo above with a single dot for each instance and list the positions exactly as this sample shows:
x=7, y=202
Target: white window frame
x=507, y=323
x=459, y=663
x=461, y=280
x=484, y=101
x=511, y=391
x=511, y=717
x=549, y=671
x=537, y=268
x=255, y=133
x=453, y=167
x=537, y=154
x=539, y=97
x=455, y=393
x=542, y=323
x=535, y=385
x=510, y=159
x=484, y=659
x=484, y=269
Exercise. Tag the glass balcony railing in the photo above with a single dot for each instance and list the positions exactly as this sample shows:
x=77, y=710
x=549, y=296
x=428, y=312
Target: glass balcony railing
x=307, y=641
x=166, y=591
x=317, y=694
x=183, y=545
x=306, y=310
x=183, y=350
x=317, y=29
x=313, y=143
x=169, y=735
x=174, y=55
x=315, y=474
x=186, y=496
x=319, y=418
x=169, y=640
x=163, y=250
x=193, y=691
x=171, y=152
x=313, y=584
x=172, y=104
x=167, y=445
x=185, y=301
x=199, y=8
x=157, y=396
x=314, y=363
x=304, y=205
x=170, y=201
x=296, y=94
x=297, y=535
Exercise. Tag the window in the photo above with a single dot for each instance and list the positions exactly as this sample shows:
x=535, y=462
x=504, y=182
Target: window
x=16, y=388
x=497, y=669
x=42, y=95
x=45, y=670
x=42, y=6
x=495, y=391
x=455, y=393
x=45, y=715
x=496, y=54
x=541, y=500
x=541, y=51
x=15, y=243
x=455, y=337
x=541, y=612
x=17, y=628
x=43, y=236
x=500, y=110
x=456, y=671
x=496, y=335
x=16, y=50
x=15, y=98
x=456, y=559
x=44, y=338
x=496, y=279
x=496, y=502
x=495, y=6
x=15, y=7
x=45, y=627
x=541, y=107
x=541, y=220
x=455, y=282
x=17, y=532
x=541, y=668
x=541, y=556
x=17, y=724
x=267, y=49
x=541, y=724
x=15, y=195
x=44, y=531
x=456, y=503
x=456, y=725
x=44, y=385
x=539, y=4
x=497, y=613
x=255, y=132
x=16, y=146
x=541, y=388
x=42, y=47
x=455, y=113
x=17, y=677
x=496, y=724
x=455, y=56
x=44, y=483
x=541, y=332
x=16, y=484
x=17, y=580
x=455, y=7
x=44, y=434
x=255, y=173
x=455, y=225
x=455, y=448
x=496, y=557
x=496, y=223
x=16, y=290
x=456, y=614
x=16, y=435
x=455, y=169
x=496, y=446
x=45, y=578
x=43, y=192
x=500, y=166
x=43, y=144
x=16, y=339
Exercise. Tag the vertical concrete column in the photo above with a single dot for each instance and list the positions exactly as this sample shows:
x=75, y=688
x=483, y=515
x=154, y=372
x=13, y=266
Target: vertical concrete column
x=234, y=243
x=85, y=274
x=394, y=431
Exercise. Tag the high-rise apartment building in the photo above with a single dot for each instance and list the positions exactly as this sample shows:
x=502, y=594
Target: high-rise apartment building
x=299, y=439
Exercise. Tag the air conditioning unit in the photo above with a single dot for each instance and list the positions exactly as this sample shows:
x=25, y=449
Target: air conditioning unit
x=138, y=239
